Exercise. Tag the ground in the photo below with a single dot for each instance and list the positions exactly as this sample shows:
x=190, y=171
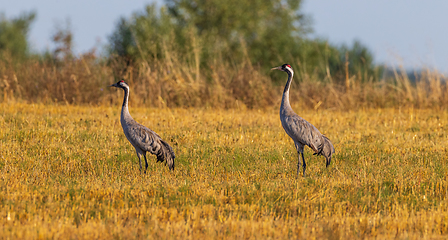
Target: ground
x=69, y=172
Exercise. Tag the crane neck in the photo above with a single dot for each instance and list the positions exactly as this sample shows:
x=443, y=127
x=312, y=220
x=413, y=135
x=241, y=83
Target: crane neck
x=125, y=110
x=285, y=98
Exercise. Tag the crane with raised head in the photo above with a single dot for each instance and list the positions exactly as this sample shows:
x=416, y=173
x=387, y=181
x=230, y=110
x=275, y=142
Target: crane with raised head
x=142, y=138
x=301, y=131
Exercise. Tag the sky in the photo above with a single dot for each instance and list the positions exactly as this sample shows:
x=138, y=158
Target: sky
x=411, y=33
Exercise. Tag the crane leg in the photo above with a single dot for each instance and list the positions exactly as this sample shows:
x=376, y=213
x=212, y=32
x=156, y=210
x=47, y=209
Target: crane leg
x=139, y=155
x=299, y=148
x=298, y=166
x=146, y=162
x=298, y=163
x=304, y=165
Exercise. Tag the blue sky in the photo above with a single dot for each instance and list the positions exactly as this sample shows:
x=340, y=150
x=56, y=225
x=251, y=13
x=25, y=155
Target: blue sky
x=407, y=32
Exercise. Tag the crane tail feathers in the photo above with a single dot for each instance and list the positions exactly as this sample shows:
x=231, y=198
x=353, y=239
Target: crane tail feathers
x=166, y=153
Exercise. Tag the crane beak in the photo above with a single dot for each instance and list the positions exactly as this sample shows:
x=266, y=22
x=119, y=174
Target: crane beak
x=113, y=85
x=277, y=68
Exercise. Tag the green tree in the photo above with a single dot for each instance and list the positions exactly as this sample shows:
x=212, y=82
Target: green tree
x=263, y=30
x=360, y=62
x=14, y=36
x=121, y=41
x=265, y=33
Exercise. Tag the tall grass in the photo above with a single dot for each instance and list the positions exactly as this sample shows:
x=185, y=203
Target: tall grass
x=174, y=82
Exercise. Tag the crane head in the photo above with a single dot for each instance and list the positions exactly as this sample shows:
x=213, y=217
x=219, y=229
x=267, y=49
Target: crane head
x=285, y=68
x=328, y=150
x=120, y=84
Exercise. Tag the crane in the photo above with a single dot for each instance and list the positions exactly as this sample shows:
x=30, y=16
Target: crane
x=142, y=138
x=301, y=131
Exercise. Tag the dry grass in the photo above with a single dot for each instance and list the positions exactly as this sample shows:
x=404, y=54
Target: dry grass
x=173, y=82
x=68, y=172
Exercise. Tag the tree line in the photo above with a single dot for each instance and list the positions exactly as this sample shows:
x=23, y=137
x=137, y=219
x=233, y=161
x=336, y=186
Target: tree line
x=262, y=33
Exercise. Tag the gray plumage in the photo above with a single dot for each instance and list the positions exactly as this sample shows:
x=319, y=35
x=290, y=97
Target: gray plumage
x=142, y=138
x=302, y=132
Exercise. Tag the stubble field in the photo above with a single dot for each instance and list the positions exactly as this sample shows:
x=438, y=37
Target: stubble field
x=68, y=172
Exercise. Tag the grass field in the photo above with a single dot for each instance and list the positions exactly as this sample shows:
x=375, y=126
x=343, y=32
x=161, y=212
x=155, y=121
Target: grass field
x=68, y=172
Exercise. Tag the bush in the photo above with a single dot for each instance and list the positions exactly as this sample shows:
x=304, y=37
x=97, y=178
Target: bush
x=13, y=36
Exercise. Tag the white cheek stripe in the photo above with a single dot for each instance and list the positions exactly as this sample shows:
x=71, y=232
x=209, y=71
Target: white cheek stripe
x=290, y=69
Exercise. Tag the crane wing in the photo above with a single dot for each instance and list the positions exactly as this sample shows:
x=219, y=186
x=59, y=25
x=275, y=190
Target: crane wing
x=144, y=138
x=149, y=141
x=304, y=132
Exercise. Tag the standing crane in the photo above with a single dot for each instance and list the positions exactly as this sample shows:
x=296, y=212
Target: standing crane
x=301, y=131
x=142, y=138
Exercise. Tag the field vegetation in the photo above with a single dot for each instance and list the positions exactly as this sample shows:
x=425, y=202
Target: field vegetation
x=68, y=172
x=209, y=54
x=199, y=77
